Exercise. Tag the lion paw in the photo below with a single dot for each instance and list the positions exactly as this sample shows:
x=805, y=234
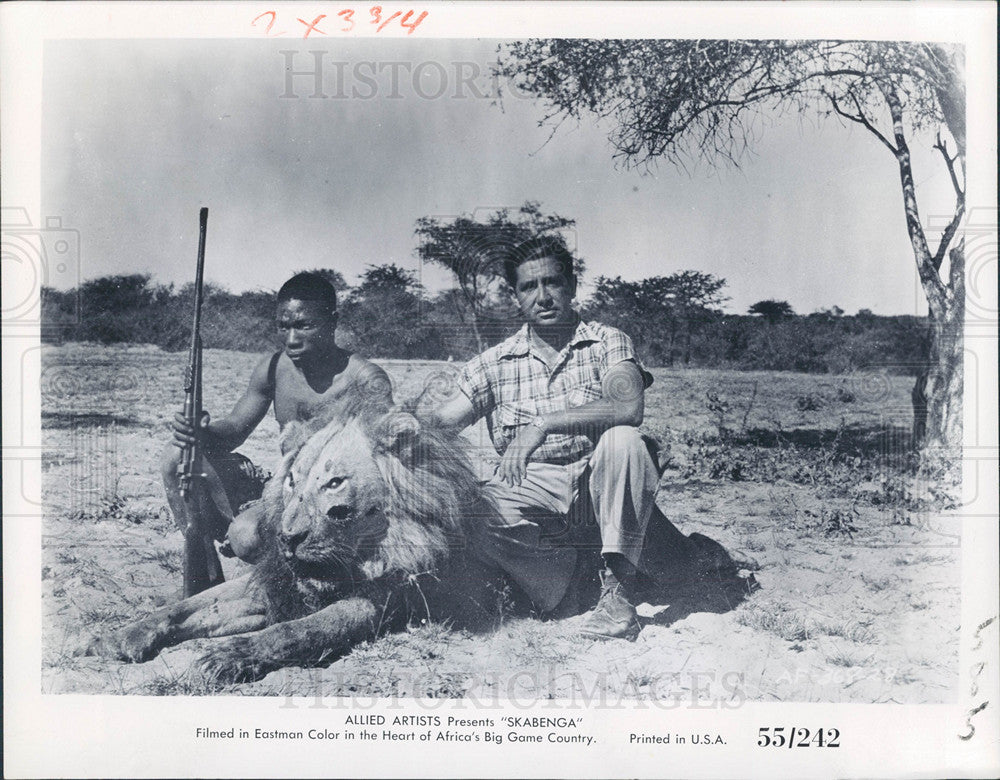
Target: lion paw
x=134, y=645
x=139, y=643
x=89, y=644
x=233, y=660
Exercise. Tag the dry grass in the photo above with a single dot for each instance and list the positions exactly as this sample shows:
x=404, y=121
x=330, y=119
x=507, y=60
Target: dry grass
x=806, y=473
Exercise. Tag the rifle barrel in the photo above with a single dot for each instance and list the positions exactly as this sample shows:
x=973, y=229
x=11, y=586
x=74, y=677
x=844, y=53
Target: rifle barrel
x=192, y=376
x=198, y=278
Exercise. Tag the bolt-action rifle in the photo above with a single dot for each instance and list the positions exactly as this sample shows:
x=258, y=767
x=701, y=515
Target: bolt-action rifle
x=196, y=481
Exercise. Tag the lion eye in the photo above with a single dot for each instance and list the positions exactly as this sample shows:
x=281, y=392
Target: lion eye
x=334, y=483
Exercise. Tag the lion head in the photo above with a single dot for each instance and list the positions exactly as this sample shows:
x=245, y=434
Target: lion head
x=364, y=499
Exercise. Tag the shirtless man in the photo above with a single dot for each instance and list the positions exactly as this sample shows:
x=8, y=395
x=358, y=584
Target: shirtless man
x=311, y=373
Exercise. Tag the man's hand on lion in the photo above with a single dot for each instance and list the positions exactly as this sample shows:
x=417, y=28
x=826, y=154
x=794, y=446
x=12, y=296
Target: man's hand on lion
x=514, y=463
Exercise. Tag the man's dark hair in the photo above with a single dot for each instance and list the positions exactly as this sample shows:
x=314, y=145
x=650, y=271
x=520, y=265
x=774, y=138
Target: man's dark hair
x=309, y=286
x=536, y=249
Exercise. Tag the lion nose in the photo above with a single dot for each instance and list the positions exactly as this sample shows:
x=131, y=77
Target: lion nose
x=292, y=540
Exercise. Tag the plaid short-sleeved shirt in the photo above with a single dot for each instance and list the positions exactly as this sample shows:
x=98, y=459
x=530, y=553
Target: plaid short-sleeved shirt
x=510, y=384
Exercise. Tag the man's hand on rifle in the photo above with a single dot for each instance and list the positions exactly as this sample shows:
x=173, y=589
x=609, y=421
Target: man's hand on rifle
x=185, y=435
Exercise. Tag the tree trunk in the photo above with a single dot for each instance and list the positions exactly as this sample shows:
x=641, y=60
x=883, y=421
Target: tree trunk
x=687, y=343
x=473, y=319
x=476, y=333
x=937, y=395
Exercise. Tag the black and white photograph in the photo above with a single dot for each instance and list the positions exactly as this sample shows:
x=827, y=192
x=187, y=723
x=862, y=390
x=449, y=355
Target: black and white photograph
x=591, y=399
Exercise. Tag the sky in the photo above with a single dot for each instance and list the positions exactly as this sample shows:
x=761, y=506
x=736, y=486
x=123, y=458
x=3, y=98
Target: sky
x=137, y=135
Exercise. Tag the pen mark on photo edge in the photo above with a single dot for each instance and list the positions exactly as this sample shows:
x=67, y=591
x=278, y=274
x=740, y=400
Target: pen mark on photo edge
x=977, y=670
x=979, y=630
x=968, y=721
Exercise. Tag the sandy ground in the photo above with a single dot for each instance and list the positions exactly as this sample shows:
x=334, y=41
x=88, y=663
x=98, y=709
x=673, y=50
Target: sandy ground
x=858, y=596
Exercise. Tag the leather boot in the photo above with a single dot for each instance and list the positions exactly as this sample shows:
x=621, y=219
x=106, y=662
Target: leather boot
x=614, y=617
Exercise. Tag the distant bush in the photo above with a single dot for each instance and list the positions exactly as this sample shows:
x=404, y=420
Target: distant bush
x=813, y=343
x=389, y=315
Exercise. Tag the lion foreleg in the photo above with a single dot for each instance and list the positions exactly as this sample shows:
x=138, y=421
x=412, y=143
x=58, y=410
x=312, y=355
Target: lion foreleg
x=307, y=641
x=232, y=607
x=223, y=618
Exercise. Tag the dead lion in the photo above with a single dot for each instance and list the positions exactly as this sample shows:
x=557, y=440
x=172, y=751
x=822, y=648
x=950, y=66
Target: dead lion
x=373, y=526
x=370, y=519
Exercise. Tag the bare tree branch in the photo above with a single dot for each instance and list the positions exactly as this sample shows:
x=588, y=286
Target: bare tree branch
x=950, y=162
x=861, y=120
x=949, y=232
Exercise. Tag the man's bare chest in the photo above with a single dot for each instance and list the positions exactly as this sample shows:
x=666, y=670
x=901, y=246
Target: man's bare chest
x=295, y=399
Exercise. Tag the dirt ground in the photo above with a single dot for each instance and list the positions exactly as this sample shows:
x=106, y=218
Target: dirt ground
x=857, y=597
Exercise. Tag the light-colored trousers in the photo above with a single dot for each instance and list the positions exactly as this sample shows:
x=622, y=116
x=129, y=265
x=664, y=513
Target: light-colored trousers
x=540, y=520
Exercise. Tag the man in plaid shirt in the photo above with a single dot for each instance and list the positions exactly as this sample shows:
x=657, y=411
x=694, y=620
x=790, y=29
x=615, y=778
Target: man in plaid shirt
x=562, y=399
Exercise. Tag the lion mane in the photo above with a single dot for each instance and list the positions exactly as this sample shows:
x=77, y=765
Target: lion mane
x=423, y=496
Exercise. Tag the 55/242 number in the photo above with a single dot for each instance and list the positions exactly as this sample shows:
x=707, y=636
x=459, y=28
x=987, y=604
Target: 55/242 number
x=779, y=736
